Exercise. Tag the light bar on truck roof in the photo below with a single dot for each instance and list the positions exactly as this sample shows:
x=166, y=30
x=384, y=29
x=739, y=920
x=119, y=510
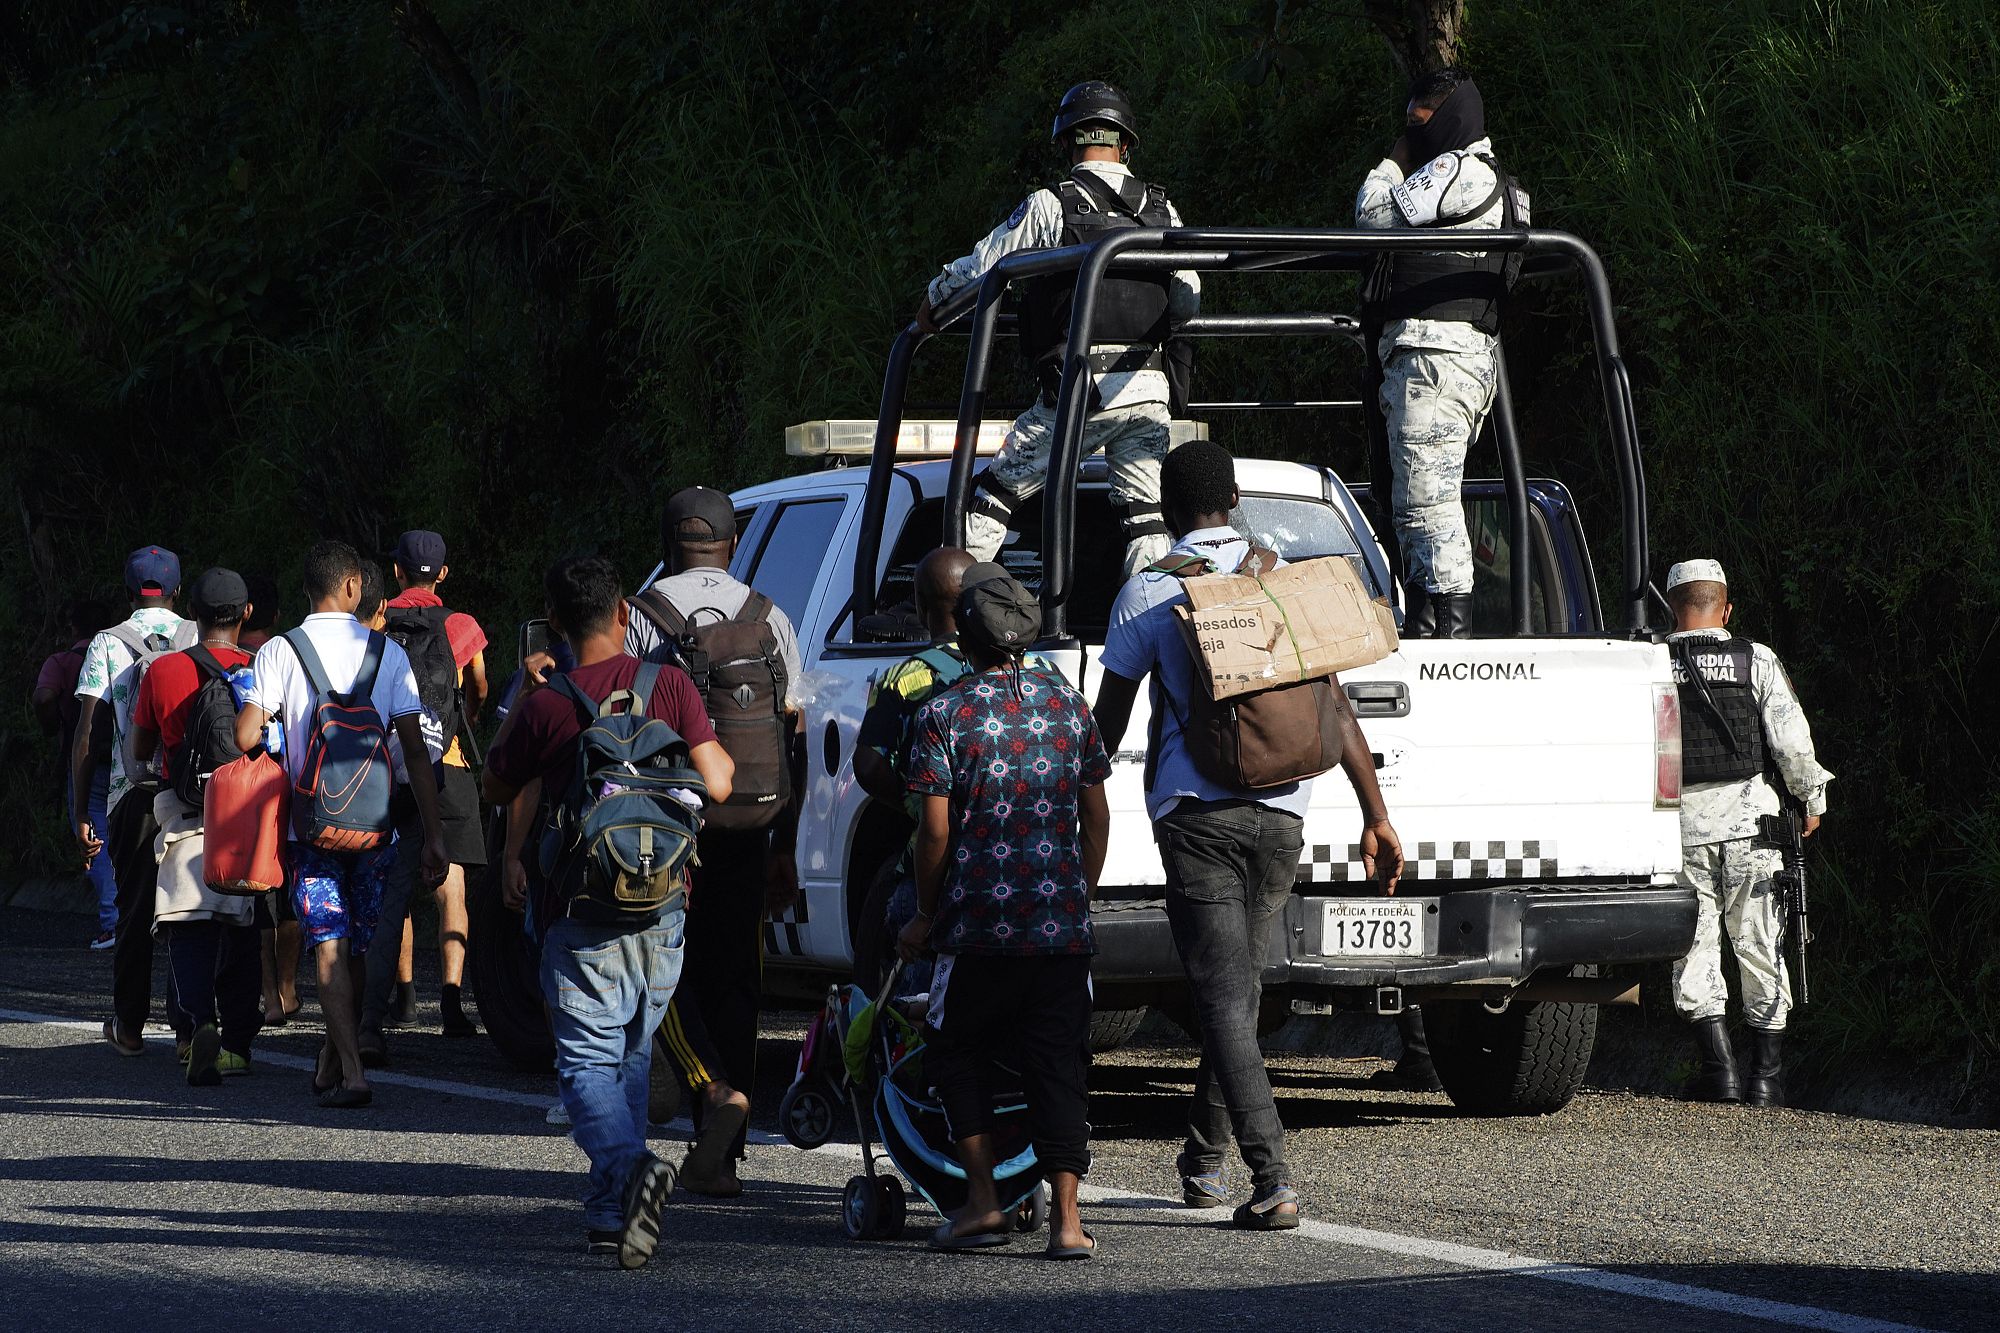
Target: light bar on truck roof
x=920, y=439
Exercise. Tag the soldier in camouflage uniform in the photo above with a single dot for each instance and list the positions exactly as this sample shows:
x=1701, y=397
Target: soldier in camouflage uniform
x=1440, y=324
x=1742, y=731
x=1129, y=415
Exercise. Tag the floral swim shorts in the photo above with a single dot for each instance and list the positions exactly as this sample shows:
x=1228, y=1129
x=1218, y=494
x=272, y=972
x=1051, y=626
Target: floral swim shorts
x=338, y=895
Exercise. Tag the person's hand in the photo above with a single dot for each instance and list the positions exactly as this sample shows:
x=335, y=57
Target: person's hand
x=781, y=881
x=88, y=842
x=536, y=668
x=915, y=940
x=1400, y=152
x=514, y=884
x=1382, y=855
x=1811, y=826
x=924, y=319
x=436, y=863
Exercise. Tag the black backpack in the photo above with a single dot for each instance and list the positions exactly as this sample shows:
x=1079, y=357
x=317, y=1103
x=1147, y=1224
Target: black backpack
x=736, y=665
x=420, y=630
x=211, y=729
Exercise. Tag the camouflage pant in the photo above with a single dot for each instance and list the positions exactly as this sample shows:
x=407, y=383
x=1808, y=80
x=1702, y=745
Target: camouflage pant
x=1732, y=884
x=1434, y=403
x=1134, y=439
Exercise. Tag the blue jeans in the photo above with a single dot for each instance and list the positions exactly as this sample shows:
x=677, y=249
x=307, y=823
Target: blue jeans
x=607, y=988
x=100, y=873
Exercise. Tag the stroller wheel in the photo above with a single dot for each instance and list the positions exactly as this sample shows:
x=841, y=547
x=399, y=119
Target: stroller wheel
x=860, y=1209
x=806, y=1116
x=1032, y=1213
x=893, y=1205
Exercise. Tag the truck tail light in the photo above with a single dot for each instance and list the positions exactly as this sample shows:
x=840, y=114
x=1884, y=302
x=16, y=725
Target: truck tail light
x=1666, y=747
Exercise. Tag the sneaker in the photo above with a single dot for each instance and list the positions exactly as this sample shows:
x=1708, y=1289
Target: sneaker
x=1205, y=1189
x=1266, y=1210
x=558, y=1115
x=652, y=1181
x=202, y=1052
x=231, y=1065
x=601, y=1242
x=104, y=941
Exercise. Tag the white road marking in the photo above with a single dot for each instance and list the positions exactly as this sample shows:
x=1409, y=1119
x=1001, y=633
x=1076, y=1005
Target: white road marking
x=1332, y=1233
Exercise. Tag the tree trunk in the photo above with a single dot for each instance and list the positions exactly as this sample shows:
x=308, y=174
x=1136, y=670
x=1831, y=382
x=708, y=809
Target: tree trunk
x=1422, y=34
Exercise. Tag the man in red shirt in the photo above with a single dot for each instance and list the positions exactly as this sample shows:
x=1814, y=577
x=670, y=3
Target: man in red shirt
x=421, y=564
x=607, y=983
x=55, y=705
x=213, y=945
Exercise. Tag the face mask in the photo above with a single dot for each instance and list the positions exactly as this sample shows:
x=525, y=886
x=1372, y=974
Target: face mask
x=1458, y=123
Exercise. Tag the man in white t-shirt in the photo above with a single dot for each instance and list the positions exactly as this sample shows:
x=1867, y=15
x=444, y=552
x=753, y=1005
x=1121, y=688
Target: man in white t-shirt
x=338, y=895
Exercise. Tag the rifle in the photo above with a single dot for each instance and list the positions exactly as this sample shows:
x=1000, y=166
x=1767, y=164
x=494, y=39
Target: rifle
x=1787, y=831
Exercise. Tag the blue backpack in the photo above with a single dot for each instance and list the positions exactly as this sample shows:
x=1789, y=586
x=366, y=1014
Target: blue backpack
x=621, y=841
x=340, y=798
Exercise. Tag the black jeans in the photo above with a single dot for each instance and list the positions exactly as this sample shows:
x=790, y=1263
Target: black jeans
x=218, y=977
x=1230, y=868
x=129, y=836
x=710, y=1030
x=1034, y=1008
x=385, y=951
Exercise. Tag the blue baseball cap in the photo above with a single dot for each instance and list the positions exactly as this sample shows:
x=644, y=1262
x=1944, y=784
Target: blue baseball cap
x=152, y=569
x=420, y=553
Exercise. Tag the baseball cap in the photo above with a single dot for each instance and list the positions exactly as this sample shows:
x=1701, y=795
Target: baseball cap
x=982, y=571
x=218, y=590
x=420, y=553
x=152, y=568
x=998, y=614
x=1695, y=571
x=699, y=514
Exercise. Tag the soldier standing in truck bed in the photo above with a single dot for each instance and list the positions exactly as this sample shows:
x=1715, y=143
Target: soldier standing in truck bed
x=1129, y=414
x=1742, y=735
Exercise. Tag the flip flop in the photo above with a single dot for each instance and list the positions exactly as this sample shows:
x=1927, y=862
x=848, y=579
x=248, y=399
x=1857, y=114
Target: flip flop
x=943, y=1240
x=319, y=1090
x=341, y=1098
x=1073, y=1252
x=111, y=1034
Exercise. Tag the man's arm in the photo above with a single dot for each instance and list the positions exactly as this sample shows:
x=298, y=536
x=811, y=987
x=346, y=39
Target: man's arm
x=1035, y=224
x=47, y=704
x=535, y=673
x=1381, y=849
x=932, y=851
x=82, y=770
x=1094, y=820
x=1788, y=734
x=145, y=741
x=423, y=786
x=1374, y=209
x=1113, y=709
x=717, y=769
x=1184, y=287
x=472, y=687
x=522, y=807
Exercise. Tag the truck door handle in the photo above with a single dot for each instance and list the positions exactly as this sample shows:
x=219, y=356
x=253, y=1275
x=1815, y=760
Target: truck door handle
x=1379, y=698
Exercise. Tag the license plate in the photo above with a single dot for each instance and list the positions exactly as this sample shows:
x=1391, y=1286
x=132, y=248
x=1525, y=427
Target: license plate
x=1378, y=927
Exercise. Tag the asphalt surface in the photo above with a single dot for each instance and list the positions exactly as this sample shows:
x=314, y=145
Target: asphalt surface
x=125, y=1195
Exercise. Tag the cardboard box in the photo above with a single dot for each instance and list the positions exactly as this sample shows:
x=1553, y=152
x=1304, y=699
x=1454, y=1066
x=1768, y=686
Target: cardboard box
x=1300, y=622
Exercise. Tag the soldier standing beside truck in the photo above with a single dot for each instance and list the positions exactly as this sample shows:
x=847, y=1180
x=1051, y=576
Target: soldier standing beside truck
x=1745, y=746
x=1440, y=321
x=1129, y=414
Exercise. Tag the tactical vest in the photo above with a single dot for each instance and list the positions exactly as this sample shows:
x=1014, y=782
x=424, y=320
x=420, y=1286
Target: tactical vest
x=1131, y=307
x=1460, y=288
x=1722, y=731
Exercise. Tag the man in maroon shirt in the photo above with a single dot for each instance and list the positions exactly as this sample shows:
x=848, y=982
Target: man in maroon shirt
x=607, y=983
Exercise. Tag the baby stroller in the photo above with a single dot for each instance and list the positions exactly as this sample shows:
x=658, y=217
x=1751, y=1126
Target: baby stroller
x=870, y=1054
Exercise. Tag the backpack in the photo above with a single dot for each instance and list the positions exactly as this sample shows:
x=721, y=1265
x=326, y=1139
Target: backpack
x=736, y=665
x=1267, y=738
x=620, y=842
x=420, y=630
x=145, y=649
x=211, y=728
x=340, y=797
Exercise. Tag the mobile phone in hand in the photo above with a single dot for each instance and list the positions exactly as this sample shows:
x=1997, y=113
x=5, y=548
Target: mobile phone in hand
x=534, y=638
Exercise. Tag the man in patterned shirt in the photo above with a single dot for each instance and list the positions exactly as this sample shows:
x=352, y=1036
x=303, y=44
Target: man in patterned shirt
x=1009, y=847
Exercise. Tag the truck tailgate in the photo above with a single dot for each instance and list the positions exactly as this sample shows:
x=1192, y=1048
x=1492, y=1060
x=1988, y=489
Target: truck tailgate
x=1500, y=759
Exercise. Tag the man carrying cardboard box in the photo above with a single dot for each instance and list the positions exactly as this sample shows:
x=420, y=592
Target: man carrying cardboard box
x=1231, y=852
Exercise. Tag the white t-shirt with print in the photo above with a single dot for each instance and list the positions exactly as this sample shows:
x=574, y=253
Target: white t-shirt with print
x=108, y=673
x=279, y=684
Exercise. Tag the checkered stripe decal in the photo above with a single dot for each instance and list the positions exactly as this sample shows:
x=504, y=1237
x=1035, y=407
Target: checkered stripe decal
x=782, y=934
x=1529, y=859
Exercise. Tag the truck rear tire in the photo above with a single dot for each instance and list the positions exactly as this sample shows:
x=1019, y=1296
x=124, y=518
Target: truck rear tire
x=1528, y=1060
x=506, y=972
x=1112, y=1028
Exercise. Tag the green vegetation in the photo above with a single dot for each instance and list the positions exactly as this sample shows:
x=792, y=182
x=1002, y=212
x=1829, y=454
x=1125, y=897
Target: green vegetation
x=515, y=270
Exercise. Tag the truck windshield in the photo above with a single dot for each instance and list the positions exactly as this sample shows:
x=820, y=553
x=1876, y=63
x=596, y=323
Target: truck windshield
x=1296, y=527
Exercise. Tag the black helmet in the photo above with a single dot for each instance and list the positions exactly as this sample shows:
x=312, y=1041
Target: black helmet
x=1095, y=102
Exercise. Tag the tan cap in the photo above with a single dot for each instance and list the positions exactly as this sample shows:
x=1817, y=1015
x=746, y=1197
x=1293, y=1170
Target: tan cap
x=1695, y=571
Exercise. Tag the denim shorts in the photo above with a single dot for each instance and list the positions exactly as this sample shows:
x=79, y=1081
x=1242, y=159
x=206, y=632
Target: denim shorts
x=338, y=895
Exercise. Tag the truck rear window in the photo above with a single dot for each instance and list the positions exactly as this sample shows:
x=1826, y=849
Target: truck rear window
x=1295, y=527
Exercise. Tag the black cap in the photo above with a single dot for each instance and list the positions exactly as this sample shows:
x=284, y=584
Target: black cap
x=218, y=592
x=982, y=571
x=1095, y=103
x=421, y=554
x=998, y=615
x=698, y=514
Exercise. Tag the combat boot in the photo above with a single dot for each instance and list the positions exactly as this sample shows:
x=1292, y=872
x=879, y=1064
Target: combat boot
x=1718, y=1080
x=1414, y=1072
x=1454, y=615
x=1419, y=612
x=1766, y=1086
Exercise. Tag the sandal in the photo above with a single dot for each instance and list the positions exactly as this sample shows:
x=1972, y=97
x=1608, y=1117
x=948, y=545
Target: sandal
x=1266, y=1210
x=319, y=1089
x=343, y=1098
x=943, y=1239
x=118, y=1041
x=1073, y=1252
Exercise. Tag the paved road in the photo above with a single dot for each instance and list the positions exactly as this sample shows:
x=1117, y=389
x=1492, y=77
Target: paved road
x=126, y=1195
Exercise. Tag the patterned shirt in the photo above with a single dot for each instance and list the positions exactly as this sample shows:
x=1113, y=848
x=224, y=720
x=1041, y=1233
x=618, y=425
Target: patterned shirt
x=1726, y=811
x=1014, y=751
x=109, y=674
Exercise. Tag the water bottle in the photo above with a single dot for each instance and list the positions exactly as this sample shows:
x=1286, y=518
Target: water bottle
x=274, y=738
